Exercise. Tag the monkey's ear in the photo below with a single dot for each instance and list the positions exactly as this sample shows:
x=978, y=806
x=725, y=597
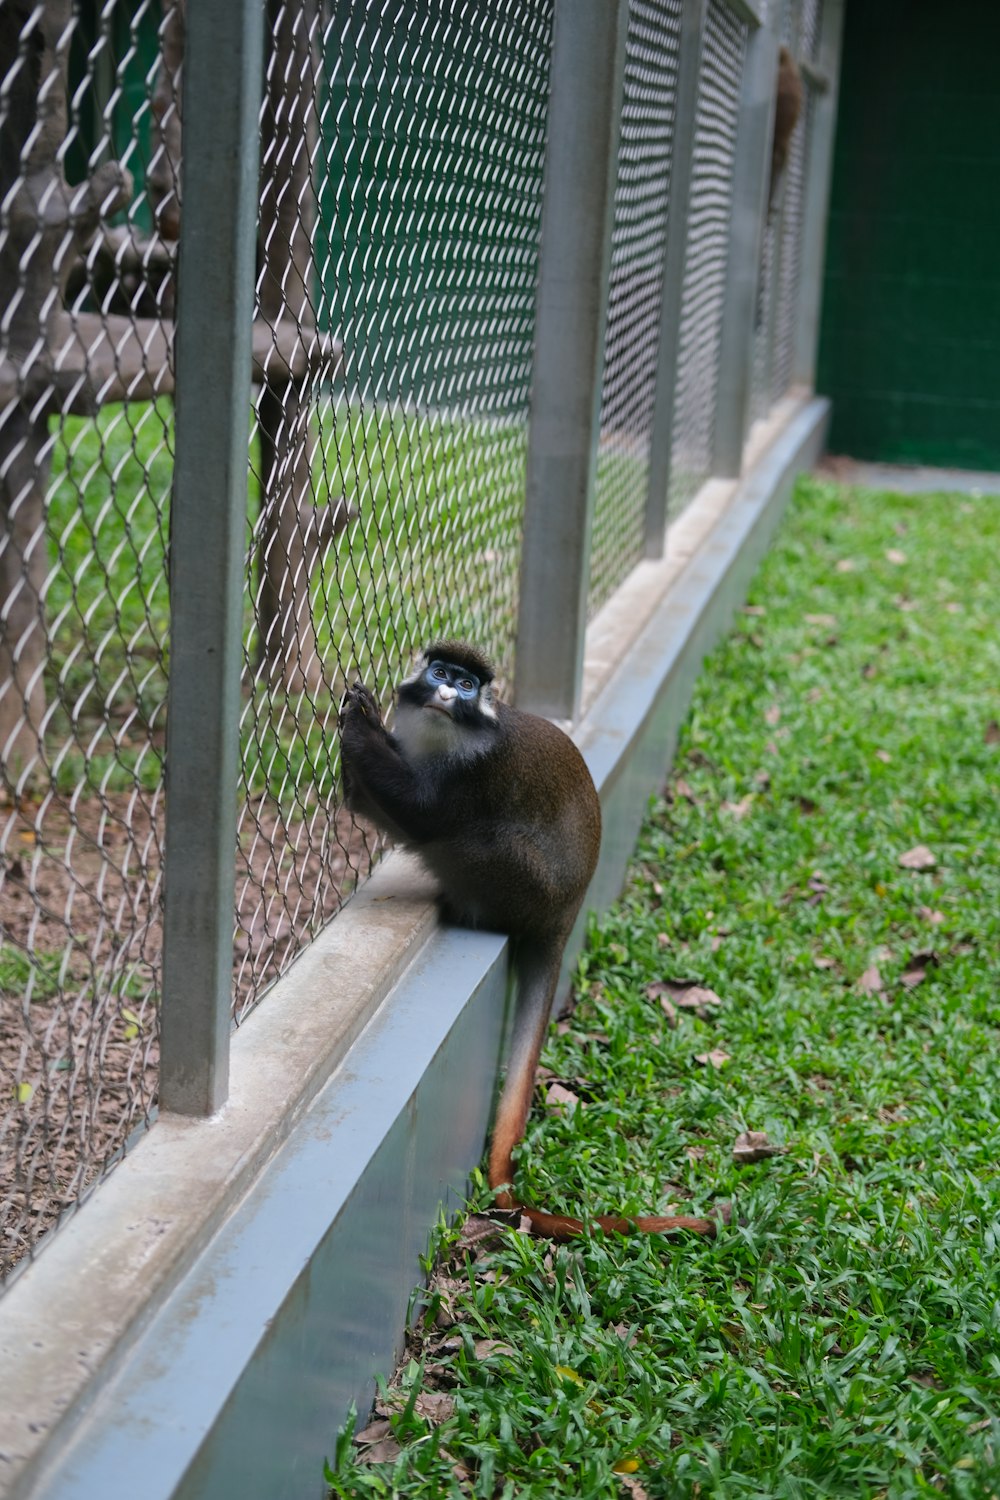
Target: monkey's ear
x=418, y=665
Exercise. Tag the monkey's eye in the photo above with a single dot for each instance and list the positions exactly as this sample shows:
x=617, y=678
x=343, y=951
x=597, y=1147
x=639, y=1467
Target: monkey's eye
x=439, y=672
x=467, y=686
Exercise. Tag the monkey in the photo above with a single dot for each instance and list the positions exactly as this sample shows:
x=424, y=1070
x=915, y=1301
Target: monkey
x=502, y=809
x=787, y=108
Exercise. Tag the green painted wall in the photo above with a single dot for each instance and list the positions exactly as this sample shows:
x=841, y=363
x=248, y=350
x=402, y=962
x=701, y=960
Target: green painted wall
x=910, y=339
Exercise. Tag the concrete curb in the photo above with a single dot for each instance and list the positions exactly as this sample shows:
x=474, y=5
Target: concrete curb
x=200, y=1328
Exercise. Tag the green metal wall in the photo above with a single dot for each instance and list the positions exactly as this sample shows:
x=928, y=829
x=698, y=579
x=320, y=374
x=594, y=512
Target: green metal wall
x=910, y=339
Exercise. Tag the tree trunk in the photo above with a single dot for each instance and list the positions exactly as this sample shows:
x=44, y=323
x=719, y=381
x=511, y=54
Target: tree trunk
x=292, y=529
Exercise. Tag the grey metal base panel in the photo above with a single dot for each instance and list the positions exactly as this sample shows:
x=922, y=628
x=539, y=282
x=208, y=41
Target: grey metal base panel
x=239, y=1383
x=235, y=1378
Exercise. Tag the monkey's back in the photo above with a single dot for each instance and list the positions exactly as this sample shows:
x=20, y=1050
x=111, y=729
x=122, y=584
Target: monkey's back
x=524, y=832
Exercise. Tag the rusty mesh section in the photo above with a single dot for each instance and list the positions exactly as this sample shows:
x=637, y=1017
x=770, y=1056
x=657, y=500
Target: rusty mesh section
x=707, y=247
x=638, y=246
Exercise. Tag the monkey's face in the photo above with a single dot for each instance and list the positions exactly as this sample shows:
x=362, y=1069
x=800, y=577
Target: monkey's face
x=442, y=709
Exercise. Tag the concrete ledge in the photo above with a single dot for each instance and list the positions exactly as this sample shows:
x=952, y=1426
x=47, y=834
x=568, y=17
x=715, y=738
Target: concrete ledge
x=201, y=1326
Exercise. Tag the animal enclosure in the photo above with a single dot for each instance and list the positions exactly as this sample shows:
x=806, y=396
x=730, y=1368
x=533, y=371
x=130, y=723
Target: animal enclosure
x=406, y=272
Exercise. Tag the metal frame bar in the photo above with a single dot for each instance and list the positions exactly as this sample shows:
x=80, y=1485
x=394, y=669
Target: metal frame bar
x=745, y=10
x=693, y=22
x=746, y=232
x=207, y=546
x=584, y=125
x=819, y=171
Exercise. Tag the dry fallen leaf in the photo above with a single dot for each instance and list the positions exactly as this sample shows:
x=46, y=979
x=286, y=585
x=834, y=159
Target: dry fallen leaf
x=716, y=1058
x=828, y=620
x=695, y=1153
x=992, y=734
x=871, y=981
x=670, y=1011
x=558, y=1098
x=895, y=556
x=434, y=1406
x=753, y=1145
x=913, y=977
x=918, y=858
x=488, y=1348
x=883, y=755
x=741, y=808
x=682, y=789
x=373, y=1433
x=478, y=1228
x=754, y=609
x=930, y=915
x=772, y=715
x=825, y=963
x=385, y=1452
x=635, y=1489
x=696, y=997
x=845, y=565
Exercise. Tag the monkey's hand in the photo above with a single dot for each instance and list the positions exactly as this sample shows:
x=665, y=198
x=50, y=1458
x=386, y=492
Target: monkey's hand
x=358, y=706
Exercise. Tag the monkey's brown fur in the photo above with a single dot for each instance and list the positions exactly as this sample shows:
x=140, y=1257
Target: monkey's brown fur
x=506, y=816
x=787, y=109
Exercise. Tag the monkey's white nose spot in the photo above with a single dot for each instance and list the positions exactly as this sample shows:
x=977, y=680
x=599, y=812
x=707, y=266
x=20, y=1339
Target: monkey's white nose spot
x=446, y=692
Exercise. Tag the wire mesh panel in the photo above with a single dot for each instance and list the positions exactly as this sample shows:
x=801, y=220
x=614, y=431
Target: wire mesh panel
x=87, y=215
x=635, y=293
x=708, y=239
x=401, y=198
x=789, y=255
x=810, y=23
x=777, y=307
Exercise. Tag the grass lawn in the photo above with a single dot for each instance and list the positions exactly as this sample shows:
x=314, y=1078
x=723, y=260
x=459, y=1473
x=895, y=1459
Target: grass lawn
x=842, y=1338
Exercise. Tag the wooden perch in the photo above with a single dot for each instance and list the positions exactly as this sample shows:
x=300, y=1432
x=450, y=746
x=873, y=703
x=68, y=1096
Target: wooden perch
x=93, y=359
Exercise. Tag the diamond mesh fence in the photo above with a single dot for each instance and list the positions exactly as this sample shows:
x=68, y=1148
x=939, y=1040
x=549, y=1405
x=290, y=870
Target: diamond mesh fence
x=788, y=254
x=774, y=333
x=86, y=261
x=638, y=246
x=707, y=247
x=401, y=186
x=390, y=511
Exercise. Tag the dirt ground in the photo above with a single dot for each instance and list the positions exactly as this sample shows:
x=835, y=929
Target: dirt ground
x=80, y=942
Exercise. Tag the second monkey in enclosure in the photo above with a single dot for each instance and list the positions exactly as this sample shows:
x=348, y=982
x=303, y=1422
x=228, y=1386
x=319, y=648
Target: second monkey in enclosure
x=502, y=809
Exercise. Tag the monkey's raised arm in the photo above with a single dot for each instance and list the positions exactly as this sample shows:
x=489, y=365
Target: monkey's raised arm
x=378, y=782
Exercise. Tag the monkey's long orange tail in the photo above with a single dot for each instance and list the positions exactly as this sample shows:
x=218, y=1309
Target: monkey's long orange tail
x=538, y=974
x=563, y=1227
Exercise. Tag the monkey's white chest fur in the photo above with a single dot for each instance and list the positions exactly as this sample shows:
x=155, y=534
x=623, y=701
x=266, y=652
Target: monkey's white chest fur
x=428, y=731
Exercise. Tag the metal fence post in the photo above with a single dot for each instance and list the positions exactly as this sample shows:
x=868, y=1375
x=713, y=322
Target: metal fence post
x=223, y=70
x=743, y=268
x=584, y=124
x=674, y=260
x=819, y=170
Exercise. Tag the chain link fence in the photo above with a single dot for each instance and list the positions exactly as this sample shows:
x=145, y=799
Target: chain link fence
x=635, y=293
x=401, y=213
